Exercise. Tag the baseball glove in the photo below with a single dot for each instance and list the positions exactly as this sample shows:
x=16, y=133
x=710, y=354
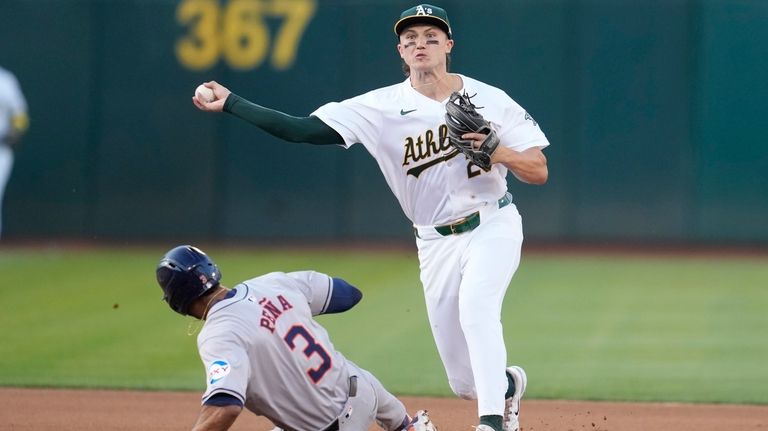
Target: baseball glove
x=461, y=117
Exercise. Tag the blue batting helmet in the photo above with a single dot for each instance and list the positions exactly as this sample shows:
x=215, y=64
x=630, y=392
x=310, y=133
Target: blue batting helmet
x=186, y=273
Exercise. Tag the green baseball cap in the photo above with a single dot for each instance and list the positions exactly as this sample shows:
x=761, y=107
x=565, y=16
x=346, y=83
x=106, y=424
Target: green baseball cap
x=424, y=13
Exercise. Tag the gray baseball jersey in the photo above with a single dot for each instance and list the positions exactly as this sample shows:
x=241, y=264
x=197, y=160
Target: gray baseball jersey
x=262, y=346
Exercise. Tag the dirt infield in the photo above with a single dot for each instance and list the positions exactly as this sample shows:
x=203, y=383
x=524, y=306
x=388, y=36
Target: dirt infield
x=71, y=410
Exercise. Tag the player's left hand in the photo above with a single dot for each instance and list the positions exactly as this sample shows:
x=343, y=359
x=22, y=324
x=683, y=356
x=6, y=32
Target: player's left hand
x=502, y=153
x=469, y=132
x=476, y=138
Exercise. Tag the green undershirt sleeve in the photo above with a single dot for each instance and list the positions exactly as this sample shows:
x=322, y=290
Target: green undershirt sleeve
x=311, y=129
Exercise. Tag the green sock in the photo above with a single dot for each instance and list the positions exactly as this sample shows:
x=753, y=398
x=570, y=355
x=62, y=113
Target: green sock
x=510, y=387
x=493, y=421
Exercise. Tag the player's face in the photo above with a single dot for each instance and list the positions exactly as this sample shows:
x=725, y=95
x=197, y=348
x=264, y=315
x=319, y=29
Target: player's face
x=424, y=47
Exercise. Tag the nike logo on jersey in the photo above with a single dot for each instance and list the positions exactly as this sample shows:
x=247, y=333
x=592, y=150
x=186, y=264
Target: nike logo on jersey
x=404, y=112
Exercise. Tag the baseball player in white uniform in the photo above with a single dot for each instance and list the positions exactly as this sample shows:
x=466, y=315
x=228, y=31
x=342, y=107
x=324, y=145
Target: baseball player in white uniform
x=468, y=230
x=263, y=350
x=13, y=124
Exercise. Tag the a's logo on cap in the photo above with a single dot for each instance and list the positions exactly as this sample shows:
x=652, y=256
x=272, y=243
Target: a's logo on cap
x=421, y=11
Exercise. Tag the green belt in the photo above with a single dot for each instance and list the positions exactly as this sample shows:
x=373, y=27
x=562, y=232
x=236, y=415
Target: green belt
x=469, y=222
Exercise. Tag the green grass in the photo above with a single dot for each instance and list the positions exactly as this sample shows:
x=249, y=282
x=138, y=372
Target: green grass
x=584, y=327
x=673, y=329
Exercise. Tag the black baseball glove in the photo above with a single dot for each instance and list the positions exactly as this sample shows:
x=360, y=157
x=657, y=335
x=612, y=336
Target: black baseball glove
x=461, y=117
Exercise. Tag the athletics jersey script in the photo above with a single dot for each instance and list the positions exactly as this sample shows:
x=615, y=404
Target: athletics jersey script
x=425, y=147
x=405, y=132
x=263, y=346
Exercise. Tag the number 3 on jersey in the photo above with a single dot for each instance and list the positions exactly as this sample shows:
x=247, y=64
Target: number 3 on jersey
x=313, y=348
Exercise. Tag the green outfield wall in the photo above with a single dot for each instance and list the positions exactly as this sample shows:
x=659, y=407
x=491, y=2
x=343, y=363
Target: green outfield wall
x=656, y=111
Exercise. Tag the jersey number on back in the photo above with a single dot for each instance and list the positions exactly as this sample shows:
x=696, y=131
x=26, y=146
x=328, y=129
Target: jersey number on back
x=313, y=348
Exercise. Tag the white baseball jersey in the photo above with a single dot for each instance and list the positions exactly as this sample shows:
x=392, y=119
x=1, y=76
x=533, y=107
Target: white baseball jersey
x=13, y=109
x=12, y=102
x=465, y=276
x=405, y=132
x=262, y=346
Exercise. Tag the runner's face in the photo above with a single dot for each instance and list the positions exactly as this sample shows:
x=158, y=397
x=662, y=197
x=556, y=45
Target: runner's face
x=424, y=47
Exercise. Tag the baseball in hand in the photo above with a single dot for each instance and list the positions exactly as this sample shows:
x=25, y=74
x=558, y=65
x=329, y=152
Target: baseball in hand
x=204, y=94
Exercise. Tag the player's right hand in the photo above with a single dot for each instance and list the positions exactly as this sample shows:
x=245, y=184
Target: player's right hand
x=220, y=93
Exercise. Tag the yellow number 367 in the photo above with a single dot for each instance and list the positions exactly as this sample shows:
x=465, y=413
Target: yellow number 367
x=238, y=33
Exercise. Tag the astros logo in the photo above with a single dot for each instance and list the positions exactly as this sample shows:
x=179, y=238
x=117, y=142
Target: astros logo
x=218, y=370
